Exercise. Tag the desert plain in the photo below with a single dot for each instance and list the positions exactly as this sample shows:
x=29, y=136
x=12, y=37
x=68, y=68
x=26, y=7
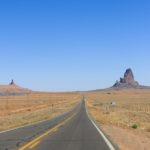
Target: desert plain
x=29, y=108
x=123, y=115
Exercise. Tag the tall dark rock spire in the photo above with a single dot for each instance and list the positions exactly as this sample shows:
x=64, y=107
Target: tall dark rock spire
x=127, y=80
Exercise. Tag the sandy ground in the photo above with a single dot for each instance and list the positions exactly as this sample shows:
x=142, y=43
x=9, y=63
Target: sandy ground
x=128, y=139
x=132, y=107
x=21, y=110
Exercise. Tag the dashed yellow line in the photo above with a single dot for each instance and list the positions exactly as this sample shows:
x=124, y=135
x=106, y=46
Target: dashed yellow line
x=36, y=141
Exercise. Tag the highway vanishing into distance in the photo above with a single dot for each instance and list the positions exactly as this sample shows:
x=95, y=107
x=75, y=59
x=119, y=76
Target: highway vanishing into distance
x=70, y=131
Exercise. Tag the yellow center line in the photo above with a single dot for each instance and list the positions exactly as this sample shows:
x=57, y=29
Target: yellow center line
x=54, y=129
x=34, y=145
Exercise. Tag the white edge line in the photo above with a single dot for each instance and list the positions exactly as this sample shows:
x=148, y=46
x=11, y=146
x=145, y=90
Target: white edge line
x=111, y=147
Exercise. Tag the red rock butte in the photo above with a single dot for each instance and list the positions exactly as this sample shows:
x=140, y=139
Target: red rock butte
x=127, y=80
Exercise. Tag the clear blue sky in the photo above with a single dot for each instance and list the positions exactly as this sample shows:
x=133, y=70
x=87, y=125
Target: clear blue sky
x=73, y=45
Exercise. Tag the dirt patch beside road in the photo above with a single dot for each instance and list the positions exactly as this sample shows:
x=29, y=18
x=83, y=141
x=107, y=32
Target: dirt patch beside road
x=127, y=122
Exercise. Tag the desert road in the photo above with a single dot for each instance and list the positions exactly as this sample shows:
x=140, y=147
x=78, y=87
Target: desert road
x=72, y=131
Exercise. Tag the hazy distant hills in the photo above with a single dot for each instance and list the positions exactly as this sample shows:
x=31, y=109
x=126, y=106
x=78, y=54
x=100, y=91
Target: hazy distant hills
x=12, y=89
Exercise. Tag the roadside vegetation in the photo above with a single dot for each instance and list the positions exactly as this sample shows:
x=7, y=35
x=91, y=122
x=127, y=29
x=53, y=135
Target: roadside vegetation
x=26, y=109
x=123, y=115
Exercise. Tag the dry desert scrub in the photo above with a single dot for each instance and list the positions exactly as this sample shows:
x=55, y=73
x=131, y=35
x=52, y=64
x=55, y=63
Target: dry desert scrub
x=130, y=113
x=20, y=110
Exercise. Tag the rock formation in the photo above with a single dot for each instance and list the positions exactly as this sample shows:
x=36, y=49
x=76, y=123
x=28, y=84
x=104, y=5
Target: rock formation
x=12, y=82
x=127, y=80
x=13, y=89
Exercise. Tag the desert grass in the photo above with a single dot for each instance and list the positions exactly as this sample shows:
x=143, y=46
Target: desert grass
x=131, y=109
x=26, y=109
x=123, y=115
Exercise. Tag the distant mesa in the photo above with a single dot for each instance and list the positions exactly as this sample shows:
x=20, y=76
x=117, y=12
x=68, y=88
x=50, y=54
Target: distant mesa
x=13, y=89
x=127, y=81
x=12, y=82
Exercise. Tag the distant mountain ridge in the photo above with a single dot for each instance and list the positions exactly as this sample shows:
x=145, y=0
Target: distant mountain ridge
x=13, y=89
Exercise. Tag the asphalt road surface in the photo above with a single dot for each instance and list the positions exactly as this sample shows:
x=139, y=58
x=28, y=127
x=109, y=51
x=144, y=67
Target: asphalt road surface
x=74, y=132
x=13, y=139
